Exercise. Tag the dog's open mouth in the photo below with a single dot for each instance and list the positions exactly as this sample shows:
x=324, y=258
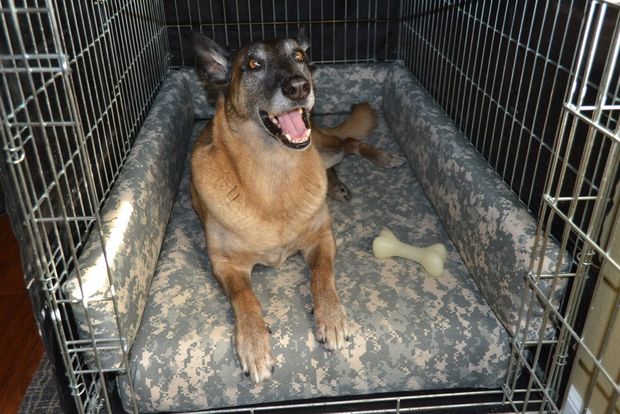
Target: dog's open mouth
x=292, y=127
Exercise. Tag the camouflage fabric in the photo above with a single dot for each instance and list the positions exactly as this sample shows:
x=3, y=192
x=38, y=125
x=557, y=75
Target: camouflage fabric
x=133, y=219
x=203, y=102
x=338, y=88
x=409, y=331
x=490, y=227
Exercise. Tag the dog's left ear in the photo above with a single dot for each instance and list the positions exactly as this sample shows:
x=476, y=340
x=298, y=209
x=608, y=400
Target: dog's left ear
x=303, y=38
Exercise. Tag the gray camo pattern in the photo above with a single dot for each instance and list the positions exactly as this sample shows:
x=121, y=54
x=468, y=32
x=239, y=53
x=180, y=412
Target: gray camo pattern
x=133, y=223
x=492, y=230
x=409, y=331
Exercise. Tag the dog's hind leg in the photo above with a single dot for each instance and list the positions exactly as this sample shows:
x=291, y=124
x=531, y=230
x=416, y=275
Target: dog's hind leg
x=331, y=152
x=334, y=149
x=378, y=156
x=336, y=189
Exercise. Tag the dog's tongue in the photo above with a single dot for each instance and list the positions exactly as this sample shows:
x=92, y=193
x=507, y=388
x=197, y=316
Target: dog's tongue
x=292, y=124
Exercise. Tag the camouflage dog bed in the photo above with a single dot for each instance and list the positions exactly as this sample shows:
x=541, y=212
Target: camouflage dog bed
x=409, y=331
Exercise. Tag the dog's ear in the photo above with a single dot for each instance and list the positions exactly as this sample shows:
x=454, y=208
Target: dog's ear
x=302, y=38
x=212, y=58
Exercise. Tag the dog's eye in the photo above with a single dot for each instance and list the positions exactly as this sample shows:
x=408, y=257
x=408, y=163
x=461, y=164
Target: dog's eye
x=300, y=56
x=253, y=64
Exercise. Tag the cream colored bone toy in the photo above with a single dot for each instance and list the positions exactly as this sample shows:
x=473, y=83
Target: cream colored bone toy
x=432, y=258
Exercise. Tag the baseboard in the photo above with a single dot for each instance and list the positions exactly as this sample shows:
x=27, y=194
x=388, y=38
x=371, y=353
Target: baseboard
x=574, y=402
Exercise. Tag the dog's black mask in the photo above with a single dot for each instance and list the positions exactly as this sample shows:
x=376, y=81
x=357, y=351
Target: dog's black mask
x=269, y=82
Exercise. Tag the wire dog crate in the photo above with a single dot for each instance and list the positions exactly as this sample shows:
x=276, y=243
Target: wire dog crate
x=534, y=85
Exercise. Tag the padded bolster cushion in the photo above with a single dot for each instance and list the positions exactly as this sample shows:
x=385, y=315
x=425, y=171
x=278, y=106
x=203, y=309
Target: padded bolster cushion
x=337, y=87
x=133, y=222
x=490, y=227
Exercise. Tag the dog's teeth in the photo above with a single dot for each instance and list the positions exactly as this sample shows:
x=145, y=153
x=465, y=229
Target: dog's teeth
x=301, y=111
x=287, y=136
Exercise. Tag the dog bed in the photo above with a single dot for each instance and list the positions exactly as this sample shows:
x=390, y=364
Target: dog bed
x=409, y=331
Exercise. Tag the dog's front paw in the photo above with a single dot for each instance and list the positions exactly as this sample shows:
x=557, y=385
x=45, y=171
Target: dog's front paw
x=390, y=159
x=331, y=324
x=253, y=349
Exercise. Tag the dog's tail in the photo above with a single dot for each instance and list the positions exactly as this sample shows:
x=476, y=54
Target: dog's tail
x=360, y=124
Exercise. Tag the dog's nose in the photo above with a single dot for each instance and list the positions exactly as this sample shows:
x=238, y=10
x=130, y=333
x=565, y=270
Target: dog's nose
x=295, y=87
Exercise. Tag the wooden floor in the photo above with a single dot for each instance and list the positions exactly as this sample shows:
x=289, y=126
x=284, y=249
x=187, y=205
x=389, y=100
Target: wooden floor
x=20, y=345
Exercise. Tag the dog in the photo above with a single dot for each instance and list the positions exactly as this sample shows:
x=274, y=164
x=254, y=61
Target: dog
x=259, y=184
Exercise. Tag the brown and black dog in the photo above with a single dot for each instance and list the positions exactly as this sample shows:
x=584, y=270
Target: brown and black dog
x=259, y=185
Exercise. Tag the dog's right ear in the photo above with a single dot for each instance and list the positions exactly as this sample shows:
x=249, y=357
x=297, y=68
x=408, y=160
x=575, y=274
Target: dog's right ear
x=212, y=58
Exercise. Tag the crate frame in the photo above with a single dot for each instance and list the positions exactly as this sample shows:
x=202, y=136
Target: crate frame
x=60, y=94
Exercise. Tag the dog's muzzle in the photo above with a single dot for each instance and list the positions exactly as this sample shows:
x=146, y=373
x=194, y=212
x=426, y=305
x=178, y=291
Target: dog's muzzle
x=292, y=128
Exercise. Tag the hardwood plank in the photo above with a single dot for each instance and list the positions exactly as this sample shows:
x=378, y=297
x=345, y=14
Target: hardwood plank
x=20, y=345
x=11, y=275
x=21, y=350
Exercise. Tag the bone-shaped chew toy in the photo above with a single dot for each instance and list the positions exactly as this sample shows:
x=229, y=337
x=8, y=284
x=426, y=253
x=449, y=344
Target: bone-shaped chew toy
x=432, y=258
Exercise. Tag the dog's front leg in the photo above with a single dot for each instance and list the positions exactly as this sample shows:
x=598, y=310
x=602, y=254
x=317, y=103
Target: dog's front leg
x=251, y=332
x=329, y=315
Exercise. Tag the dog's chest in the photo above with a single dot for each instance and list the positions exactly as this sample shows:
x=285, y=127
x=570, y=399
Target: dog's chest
x=278, y=226
x=285, y=214
x=263, y=211
x=276, y=257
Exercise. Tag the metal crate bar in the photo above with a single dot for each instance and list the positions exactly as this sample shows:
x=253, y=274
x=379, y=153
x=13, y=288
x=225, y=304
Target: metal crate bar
x=77, y=81
x=587, y=140
x=494, y=92
x=80, y=78
x=425, y=403
x=352, y=32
